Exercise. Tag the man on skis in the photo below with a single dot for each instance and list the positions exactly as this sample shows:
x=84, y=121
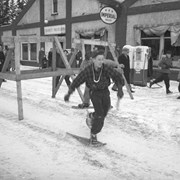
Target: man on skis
x=97, y=78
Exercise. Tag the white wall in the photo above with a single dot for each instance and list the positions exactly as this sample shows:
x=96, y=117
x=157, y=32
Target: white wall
x=28, y=32
x=7, y=33
x=150, y=2
x=84, y=7
x=32, y=15
x=48, y=10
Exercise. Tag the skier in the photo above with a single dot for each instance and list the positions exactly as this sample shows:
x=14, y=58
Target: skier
x=165, y=64
x=85, y=63
x=97, y=77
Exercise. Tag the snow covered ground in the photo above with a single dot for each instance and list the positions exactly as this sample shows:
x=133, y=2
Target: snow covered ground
x=143, y=136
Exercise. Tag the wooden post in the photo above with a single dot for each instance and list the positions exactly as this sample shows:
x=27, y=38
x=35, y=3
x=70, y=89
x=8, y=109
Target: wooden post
x=62, y=77
x=18, y=82
x=54, y=68
x=66, y=63
x=83, y=50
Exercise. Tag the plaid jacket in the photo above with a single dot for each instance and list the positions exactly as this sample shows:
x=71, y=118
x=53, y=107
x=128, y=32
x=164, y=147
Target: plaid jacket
x=87, y=76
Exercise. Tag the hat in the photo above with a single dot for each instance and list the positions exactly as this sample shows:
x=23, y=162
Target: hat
x=125, y=49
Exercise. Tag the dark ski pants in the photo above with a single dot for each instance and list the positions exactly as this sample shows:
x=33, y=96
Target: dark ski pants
x=101, y=102
x=165, y=77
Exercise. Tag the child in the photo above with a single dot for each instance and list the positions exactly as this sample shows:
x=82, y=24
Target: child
x=97, y=77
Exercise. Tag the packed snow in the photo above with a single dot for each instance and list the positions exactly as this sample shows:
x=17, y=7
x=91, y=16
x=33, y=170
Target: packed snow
x=142, y=136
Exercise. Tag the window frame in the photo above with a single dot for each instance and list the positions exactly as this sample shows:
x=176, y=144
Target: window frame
x=54, y=2
x=29, y=51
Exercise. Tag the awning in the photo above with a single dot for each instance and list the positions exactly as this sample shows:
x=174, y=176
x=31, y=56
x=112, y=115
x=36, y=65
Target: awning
x=160, y=30
x=91, y=32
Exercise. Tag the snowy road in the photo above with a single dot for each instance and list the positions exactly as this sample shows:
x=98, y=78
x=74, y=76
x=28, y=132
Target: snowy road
x=143, y=137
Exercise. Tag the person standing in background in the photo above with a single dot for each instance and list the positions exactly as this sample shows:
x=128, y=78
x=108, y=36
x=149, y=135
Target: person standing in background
x=50, y=57
x=150, y=65
x=125, y=64
x=2, y=59
x=41, y=57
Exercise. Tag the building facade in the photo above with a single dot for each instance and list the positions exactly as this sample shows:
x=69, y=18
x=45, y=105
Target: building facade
x=66, y=18
x=152, y=23
x=155, y=24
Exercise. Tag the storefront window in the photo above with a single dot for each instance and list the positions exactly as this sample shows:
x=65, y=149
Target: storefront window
x=24, y=51
x=29, y=52
x=152, y=41
x=33, y=51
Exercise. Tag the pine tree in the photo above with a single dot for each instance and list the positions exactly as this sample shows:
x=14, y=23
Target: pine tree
x=4, y=12
x=12, y=11
x=21, y=4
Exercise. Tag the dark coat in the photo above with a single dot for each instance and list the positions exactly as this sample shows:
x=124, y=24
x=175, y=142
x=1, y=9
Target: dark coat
x=41, y=56
x=50, y=58
x=165, y=64
x=150, y=67
x=125, y=61
x=59, y=61
x=2, y=59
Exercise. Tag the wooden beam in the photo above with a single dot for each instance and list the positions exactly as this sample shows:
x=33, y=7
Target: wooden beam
x=8, y=76
x=62, y=77
x=93, y=42
x=29, y=39
x=58, y=72
x=54, y=68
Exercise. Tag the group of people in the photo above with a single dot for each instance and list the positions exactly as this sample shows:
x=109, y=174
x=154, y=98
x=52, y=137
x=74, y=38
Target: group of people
x=96, y=72
x=46, y=61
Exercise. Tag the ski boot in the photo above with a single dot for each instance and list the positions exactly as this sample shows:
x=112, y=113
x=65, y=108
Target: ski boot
x=93, y=139
x=168, y=92
x=83, y=105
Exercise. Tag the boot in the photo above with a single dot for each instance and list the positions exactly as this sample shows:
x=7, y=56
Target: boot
x=83, y=105
x=93, y=139
x=178, y=97
x=151, y=83
x=168, y=91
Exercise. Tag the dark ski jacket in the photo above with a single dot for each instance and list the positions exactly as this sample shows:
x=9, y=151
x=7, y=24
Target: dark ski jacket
x=165, y=64
x=2, y=59
x=86, y=76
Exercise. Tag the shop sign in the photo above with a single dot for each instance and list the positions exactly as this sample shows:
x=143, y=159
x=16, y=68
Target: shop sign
x=59, y=29
x=108, y=15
